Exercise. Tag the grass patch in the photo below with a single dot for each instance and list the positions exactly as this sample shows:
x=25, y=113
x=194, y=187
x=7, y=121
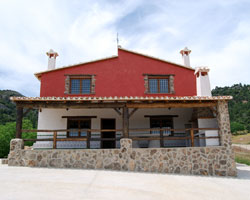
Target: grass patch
x=241, y=139
x=242, y=155
x=242, y=160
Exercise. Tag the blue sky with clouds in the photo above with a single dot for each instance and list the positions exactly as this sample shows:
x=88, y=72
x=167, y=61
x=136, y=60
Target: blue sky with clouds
x=217, y=32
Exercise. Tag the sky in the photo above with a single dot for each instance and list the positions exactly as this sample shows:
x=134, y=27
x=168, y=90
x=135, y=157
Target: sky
x=217, y=32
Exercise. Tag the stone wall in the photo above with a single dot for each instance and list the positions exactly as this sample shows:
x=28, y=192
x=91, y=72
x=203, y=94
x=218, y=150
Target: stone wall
x=196, y=160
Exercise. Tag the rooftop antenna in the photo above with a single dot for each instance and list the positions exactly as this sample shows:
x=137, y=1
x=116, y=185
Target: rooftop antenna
x=117, y=40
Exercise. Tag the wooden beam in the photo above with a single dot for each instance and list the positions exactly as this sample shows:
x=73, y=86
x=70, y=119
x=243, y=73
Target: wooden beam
x=19, y=121
x=170, y=105
x=192, y=137
x=44, y=104
x=149, y=138
x=54, y=140
x=132, y=112
x=125, y=118
x=79, y=117
x=161, y=116
x=130, y=104
x=118, y=111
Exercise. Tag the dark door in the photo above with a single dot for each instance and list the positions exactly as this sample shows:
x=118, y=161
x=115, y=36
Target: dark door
x=108, y=124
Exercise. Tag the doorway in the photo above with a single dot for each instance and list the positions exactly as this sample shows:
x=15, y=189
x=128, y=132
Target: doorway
x=108, y=124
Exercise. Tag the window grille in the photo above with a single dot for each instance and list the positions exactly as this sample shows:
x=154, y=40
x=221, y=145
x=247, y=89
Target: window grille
x=163, y=85
x=80, y=86
x=158, y=85
x=153, y=86
x=86, y=83
x=75, y=86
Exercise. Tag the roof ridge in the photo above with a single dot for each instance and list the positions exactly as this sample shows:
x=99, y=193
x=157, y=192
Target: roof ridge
x=156, y=58
x=80, y=63
x=110, y=57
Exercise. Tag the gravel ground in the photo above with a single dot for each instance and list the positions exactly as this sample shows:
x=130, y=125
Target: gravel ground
x=24, y=183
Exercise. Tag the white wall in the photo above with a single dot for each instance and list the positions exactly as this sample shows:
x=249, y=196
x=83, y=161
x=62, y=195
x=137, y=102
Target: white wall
x=203, y=85
x=52, y=119
x=208, y=123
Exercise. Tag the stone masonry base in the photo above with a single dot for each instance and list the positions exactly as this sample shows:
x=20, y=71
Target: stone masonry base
x=197, y=160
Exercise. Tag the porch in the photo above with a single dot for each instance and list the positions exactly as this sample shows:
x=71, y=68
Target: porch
x=197, y=154
x=151, y=122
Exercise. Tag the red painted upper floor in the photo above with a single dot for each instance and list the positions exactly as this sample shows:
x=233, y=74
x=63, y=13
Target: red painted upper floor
x=128, y=74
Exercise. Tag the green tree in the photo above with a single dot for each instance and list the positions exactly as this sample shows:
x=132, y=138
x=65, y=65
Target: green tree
x=236, y=126
x=7, y=132
x=239, y=106
x=8, y=108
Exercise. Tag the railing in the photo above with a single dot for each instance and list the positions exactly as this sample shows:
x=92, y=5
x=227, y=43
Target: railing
x=140, y=136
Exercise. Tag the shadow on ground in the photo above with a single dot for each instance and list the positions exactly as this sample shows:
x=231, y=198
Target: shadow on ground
x=243, y=171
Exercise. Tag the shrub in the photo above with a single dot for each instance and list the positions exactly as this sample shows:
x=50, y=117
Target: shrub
x=236, y=126
x=7, y=132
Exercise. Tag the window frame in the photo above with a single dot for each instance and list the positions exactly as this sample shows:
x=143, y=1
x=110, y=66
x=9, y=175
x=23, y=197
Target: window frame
x=161, y=118
x=158, y=78
x=80, y=78
x=170, y=77
x=79, y=126
x=70, y=77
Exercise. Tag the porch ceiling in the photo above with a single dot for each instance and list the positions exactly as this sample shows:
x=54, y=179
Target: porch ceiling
x=118, y=102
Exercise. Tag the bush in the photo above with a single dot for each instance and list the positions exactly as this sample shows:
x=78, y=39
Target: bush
x=236, y=127
x=7, y=132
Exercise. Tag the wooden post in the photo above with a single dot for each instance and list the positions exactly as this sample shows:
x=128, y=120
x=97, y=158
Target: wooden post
x=19, y=121
x=54, y=140
x=161, y=138
x=192, y=137
x=125, y=117
x=88, y=139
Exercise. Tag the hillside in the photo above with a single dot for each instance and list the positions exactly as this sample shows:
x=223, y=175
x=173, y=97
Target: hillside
x=239, y=107
x=8, y=108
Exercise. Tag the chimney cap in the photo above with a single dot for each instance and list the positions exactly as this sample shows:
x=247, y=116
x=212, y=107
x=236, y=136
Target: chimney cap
x=51, y=53
x=201, y=69
x=185, y=51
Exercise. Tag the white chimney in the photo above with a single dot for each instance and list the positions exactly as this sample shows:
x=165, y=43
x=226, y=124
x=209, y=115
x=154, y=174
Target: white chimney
x=202, y=81
x=52, y=59
x=185, y=56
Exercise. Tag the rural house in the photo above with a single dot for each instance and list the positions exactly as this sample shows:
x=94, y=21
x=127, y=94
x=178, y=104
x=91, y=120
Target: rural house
x=127, y=112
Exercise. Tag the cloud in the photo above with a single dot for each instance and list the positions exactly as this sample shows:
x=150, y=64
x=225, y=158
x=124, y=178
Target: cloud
x=217, y=32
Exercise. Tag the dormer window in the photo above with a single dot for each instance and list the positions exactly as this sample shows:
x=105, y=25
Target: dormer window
x=159, y=84
x=80, y=84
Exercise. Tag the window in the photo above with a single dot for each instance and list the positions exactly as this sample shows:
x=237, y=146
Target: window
x=158, y=85
x=78, y=124
x=161, y=122
x=80, y=84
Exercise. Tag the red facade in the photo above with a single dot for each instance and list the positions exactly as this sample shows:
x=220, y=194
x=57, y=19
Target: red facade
x=121, y=76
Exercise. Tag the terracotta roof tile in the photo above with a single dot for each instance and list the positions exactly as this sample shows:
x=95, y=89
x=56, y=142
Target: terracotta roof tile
x=131, y=98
